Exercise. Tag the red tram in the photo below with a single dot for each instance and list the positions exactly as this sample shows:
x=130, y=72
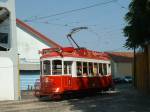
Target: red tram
x=72, y=69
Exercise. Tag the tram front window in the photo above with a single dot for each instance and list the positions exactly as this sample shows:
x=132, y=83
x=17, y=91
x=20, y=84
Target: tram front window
x=56, y=67
x=46, y=67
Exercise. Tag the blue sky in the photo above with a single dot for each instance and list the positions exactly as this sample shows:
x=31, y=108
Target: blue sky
x=104, y=22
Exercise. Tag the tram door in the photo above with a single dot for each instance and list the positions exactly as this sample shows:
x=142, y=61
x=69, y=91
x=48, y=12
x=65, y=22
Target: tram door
x=67, y=74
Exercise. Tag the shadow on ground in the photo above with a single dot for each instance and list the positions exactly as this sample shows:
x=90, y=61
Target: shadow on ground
x=128, y=100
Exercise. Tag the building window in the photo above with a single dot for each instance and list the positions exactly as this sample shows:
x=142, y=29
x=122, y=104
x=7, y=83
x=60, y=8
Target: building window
x=67, y=67
x=85, y=69
x=4, y=42
x=4, y=38
x=46, y=67
x=79, y=68
x=56, y=67
x=4, y=29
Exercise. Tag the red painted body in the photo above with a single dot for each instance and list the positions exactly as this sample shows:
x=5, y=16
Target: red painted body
x=59, y=84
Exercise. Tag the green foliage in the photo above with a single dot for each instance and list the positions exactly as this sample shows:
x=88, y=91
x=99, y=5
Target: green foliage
x=137, y=30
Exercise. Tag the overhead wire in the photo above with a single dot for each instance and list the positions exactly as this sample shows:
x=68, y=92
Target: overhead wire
x=107, y=30
x=96, y=34
x=71, y=11
x=56, y=24
x=89, y=30
x=98, y=37
x=117, y=49
x=121, y=6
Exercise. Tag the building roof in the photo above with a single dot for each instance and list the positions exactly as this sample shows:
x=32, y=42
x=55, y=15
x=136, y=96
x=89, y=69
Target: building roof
x=125, y=57
x=36, y=33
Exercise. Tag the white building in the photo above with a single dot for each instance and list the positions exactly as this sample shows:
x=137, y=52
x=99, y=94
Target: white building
x=9, y=83
x=122, y=63
x=29, y=43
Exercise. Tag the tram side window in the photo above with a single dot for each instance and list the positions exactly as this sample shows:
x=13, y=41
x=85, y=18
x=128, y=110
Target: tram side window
x=79, y=68
x=56, y=67
x=105, y=69
x=95, y=68
x=109, y=68
x=85, y=69
x=100, y=69
x=46, y=67
x=67, y=67
x=90, y=69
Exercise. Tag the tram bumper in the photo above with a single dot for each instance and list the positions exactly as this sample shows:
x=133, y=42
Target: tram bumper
x=50, y=91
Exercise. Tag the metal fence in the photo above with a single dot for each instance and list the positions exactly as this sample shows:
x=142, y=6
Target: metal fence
x=28, y=81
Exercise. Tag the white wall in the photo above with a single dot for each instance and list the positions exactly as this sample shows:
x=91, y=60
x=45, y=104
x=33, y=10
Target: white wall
x=6, y=79
x=122, y=69
x=9, y=89
x=29, y=46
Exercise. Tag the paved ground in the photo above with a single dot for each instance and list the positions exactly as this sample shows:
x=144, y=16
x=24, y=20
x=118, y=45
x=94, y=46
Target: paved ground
x=128, y=100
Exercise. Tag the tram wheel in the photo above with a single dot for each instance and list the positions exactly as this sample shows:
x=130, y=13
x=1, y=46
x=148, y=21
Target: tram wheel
x=56, y=97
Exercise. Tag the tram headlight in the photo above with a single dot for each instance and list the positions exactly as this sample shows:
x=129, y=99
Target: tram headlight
x=57, y=90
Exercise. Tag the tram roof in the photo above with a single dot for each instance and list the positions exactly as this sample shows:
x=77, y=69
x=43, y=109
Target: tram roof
x=74, y=52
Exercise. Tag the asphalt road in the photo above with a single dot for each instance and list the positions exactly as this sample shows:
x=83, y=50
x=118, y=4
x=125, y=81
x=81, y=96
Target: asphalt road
x=127, y=100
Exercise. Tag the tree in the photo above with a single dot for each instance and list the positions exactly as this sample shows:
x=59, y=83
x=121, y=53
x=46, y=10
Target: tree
x=137, y=30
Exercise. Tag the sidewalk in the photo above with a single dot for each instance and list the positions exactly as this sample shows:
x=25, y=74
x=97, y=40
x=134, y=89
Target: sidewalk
x=26, y=97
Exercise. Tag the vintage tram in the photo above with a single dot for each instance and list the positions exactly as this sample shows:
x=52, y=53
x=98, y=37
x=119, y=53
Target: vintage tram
x=69, y=69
